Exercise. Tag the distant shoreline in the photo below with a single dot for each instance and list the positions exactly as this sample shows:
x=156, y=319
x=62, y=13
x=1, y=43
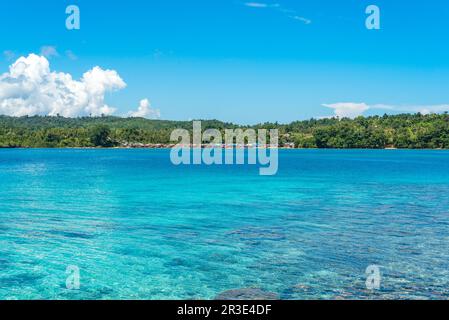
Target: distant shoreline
x=405, y=131
x=169, y=148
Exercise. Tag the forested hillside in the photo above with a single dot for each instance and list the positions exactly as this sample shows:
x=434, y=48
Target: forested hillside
x=399, y=131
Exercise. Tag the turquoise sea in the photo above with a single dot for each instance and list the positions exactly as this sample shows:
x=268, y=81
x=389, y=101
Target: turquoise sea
x=140, y=228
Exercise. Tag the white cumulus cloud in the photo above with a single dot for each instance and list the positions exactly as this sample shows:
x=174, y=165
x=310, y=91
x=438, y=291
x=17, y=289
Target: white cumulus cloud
x=348, y=109
x=31, y=88
x=145, y=111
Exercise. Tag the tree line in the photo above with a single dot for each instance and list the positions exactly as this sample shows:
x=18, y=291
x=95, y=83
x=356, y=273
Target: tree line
x=408, y=131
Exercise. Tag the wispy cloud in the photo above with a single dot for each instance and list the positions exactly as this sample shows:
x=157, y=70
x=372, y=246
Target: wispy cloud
x=9, y=55
x=49, y=51
x=71, y=55
x=302, y=19
x=292, y=14
x=355, y=109
x=256, y=5
x=424, y=109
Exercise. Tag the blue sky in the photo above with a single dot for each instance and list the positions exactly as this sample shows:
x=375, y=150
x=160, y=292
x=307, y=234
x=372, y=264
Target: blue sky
x=245, y=61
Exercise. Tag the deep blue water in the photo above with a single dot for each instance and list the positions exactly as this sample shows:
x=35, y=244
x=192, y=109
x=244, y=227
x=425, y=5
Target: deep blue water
x=140, y=228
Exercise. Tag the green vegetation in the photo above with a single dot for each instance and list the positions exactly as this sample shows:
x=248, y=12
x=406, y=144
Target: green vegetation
x=100, y=136
x=399, y=131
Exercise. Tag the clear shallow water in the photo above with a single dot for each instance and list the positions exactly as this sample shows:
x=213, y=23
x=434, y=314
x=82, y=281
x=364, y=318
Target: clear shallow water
x=140, y=228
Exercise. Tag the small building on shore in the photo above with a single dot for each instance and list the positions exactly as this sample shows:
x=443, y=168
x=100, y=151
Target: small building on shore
x=289, y=145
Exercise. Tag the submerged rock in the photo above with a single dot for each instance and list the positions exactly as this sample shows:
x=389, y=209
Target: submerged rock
x=247, y=294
